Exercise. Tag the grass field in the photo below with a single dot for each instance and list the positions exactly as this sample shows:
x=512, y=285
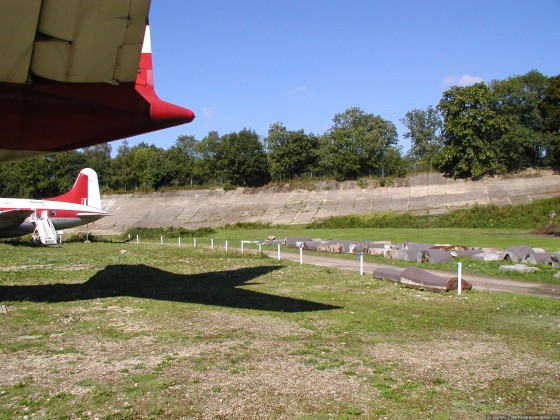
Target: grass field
x=480, y=237
x=119, y=331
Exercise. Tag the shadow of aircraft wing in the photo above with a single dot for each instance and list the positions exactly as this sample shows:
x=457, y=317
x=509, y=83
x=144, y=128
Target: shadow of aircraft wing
x=220, y=288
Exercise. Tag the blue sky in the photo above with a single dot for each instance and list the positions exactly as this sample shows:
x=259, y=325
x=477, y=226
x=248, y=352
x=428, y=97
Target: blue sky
x=249, y=63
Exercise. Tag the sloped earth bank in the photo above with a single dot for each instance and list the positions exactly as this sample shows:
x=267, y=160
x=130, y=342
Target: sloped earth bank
x=280, y=205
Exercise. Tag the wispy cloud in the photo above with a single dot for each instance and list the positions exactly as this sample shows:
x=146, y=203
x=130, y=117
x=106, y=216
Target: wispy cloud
x=297, y=90
x=208, y=112
x=464, y=80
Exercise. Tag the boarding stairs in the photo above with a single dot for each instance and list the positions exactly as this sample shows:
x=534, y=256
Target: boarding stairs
x=44, y=229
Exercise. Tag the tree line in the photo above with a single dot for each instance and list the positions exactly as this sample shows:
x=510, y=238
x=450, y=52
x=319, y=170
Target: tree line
x=483, y=129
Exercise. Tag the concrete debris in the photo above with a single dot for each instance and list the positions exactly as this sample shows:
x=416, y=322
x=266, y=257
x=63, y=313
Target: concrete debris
x=416, y=278
x=294, y=242
x=487, y=256
x=433, y=256
x=554, y=260
x=516, y=253
x=537, y=258
x=391, y=274
x=519, y=268
x=426, y=253
x=469, y=253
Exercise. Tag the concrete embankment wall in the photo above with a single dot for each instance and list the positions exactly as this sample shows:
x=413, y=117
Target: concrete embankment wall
x=419, y=194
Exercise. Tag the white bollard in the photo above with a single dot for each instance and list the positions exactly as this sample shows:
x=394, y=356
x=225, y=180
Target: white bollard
x=179, y=242
x=260, y=249
x=301, y=254
x=137, y=239
x=361, y=254
x=459, y=280
x=161, y=240
x=226, y=246
x=242, y=247
x=194, y=242
x=211, y=243
x=278, y=252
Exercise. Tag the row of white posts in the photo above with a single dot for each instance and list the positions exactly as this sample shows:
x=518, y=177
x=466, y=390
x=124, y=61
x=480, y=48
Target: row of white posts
x=361, y=256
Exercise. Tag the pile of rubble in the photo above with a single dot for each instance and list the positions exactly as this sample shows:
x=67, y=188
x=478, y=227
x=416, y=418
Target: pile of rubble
x=520, y=255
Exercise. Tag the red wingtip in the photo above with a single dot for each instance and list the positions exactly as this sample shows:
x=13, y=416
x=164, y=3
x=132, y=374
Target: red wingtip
x=164, y=111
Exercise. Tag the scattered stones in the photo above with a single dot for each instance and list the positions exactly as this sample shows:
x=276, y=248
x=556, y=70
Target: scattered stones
x=519, y=268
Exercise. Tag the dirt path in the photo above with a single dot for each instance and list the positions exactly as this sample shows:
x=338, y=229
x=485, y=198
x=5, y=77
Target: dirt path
x=479, y=283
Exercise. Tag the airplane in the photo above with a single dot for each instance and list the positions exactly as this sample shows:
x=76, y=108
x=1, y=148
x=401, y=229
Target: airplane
x=75, y=73
x=43, y=218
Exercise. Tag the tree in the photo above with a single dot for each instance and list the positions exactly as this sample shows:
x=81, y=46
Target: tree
x=356, y=144
x=122, y=176
x=517, y=100
x=424, y=131
x=549, y=109
x=290, y=153
x=151, y=166
x=98, y=158
x=206, y=165
x=183, y=157
x=471, y=127
x=241, y=159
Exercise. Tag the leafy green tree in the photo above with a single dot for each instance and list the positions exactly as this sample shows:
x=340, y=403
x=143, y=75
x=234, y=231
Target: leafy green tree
x=549, y=109
x=98, y=158
x=472, y=126
x=517, y=100
x=183, y=157
x=241, y=159
x=290, y=153
x=356, y=144
x=424, y=131
x=122, y=176
x=151, y=166
x=64, y=168
x=206, y=165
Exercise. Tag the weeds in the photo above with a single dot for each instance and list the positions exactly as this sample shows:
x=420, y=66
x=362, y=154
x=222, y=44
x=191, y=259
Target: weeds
x=527, y=216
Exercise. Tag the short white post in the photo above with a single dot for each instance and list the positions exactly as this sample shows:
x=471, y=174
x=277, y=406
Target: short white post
x=459, y=280
x=226, y=246
x=242, y=247
x=260, y=249
x=278, y=252
x=211, y=243
x=137, y=239
x=301, y=254
x=161, y=240
x=179, y=242
x=361, y=254
x=194, y=242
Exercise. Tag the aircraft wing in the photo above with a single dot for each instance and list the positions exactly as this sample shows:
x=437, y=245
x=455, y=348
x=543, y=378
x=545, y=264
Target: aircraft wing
x=13, y=217
x=75, y=73
x=71, y=40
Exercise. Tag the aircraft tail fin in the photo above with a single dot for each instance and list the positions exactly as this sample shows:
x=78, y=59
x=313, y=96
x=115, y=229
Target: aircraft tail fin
x=84, y=191
x=162, y=113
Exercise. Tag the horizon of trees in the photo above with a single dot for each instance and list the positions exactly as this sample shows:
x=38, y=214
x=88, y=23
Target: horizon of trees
x=484, y=129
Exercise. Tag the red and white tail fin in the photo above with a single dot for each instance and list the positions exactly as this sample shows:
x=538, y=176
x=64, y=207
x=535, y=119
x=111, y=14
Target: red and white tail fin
x=160, y=111
x=84, y=191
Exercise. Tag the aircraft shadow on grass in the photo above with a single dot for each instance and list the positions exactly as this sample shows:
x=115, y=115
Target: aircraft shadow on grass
x=220, y=288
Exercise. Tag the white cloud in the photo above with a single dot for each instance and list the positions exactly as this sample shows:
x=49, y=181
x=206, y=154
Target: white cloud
x=464, y=80
x=467, y=80
x=297, y=90
x=208, y=112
